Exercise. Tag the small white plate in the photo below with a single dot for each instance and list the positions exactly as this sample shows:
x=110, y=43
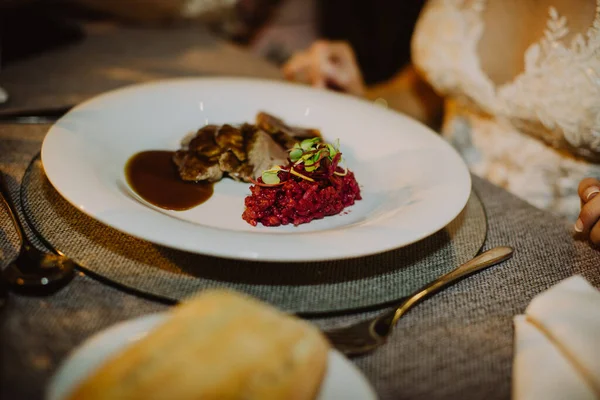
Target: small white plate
x=413, y=182
x=342, y=379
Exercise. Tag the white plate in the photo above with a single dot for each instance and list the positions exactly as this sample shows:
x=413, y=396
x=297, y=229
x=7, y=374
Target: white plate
x=413, y=182
x=342, y=379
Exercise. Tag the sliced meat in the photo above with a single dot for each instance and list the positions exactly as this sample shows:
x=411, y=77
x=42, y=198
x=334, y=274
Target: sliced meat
x=198, y=160
x=264, y=153
x=231, y=139
x=228, y=162
x=185, y=142
x=204, y=143
x=234, y=168
x=283, y=134
x=247, y=132
x=193, y=167
x=242, y=153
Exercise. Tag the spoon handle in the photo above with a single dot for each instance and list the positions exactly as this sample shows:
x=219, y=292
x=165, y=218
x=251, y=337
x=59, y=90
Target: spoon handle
x=12, y=209
x=484, y=260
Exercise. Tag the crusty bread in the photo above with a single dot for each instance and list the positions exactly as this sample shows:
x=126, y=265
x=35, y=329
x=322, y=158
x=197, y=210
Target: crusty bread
x=219, y=345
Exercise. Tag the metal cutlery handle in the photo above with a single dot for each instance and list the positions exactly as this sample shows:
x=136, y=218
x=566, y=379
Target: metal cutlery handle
x=482, y=261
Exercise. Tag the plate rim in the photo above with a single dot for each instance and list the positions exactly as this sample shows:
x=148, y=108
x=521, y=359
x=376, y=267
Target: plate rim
x=264, y=256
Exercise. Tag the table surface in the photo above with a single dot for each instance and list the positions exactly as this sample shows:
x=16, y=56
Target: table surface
x=458, y=344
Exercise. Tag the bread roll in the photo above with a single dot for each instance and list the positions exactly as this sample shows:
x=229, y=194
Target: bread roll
x=219, y=345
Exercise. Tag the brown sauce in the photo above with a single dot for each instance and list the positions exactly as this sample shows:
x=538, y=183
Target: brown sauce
x=153, y=176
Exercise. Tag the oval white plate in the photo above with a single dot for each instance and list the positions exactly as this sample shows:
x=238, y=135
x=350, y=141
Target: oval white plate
x=413, y=182
x=342, y=379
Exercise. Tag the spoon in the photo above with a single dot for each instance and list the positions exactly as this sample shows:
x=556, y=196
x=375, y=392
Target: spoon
x=34, y=272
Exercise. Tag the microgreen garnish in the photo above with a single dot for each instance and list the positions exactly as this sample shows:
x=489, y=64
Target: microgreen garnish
x=296, y=153
x=307, y=144
x=270, y=176
x=312, y=151
x=310, y=160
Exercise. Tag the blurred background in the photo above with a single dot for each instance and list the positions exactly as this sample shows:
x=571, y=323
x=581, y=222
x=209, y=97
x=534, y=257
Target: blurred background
x=378, y=30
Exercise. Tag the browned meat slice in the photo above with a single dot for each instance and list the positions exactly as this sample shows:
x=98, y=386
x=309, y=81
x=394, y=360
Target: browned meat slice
x=193, y=167
x=237, y=170
x=283, y=134
x=204, y=144
x=241, y=153
x=231, y=139
x=264, y=153
x=247, y=132
x=198, y=160
x=185, y=142
x=229, y=162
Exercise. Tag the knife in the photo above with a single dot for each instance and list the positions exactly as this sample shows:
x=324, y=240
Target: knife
x=33, y=116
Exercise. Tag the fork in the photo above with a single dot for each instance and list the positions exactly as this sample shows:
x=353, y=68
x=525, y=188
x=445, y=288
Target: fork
x=366, y=336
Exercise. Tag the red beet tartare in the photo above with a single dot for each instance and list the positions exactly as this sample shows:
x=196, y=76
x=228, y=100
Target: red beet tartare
x=313, y=185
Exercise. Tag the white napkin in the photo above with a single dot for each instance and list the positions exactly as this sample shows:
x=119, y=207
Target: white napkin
x=557, y=344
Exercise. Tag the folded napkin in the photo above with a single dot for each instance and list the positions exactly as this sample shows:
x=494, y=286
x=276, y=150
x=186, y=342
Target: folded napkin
x=557, y=344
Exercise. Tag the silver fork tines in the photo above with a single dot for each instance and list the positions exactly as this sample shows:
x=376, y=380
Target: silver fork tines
x=365, y=336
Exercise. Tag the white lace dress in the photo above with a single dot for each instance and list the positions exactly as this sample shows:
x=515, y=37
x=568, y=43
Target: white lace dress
x=537, y=135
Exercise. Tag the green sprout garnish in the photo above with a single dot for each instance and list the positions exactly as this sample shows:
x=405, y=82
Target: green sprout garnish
x=310, y=153
x=270, y=176
x=296, y=153
x=308, y=144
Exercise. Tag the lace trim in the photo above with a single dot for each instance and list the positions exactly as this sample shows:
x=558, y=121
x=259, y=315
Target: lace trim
x=531, y=170
x=570, y=69
x=571, y=119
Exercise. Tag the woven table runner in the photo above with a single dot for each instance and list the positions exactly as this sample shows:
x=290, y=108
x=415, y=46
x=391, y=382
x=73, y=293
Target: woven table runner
x=316, y=287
